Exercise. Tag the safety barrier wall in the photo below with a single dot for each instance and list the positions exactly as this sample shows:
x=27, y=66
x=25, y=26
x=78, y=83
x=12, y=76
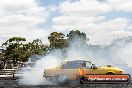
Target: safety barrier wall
x=8, y=73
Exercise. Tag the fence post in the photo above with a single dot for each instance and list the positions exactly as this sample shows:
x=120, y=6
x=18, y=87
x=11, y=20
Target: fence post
x=13, y=76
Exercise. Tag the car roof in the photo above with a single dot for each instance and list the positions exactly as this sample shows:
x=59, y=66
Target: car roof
x=76, y=61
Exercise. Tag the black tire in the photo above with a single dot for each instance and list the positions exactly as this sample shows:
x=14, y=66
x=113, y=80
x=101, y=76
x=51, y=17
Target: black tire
x=81, y=80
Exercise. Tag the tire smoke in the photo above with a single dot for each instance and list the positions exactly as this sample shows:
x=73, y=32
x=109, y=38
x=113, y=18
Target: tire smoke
x=114, y=54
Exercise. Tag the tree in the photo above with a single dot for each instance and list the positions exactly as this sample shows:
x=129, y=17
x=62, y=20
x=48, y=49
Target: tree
x=57, y=40
x=37, y=47
x=15, y=49
x=12, y=48
x=77, y=37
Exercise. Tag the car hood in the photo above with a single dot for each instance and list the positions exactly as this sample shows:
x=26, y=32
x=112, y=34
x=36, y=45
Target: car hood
x=110, y=68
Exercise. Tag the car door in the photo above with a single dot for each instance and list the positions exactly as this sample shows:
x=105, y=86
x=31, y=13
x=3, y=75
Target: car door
x=92, y=69
x=70, y=69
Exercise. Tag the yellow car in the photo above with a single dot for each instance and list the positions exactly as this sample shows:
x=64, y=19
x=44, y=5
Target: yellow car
x=70, y=69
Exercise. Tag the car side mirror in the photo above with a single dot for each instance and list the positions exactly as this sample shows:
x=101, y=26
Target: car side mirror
x=93, y=67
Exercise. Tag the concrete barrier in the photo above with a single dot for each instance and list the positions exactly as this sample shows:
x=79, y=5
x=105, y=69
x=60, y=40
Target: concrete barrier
x=8, y=73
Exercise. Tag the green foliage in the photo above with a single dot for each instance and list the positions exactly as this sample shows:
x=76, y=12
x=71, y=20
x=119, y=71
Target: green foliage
x=17, y=39
x=13, y=48
x=76, y=34
x=78, y=37
x=36, y=47
x=1, y=54
x=57, y=40
x=17, y=49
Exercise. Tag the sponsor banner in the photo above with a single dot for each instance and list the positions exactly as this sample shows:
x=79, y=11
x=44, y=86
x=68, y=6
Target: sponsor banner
x=108, y=78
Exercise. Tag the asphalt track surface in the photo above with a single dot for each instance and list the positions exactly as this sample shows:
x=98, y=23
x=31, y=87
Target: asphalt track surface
x=9, y=83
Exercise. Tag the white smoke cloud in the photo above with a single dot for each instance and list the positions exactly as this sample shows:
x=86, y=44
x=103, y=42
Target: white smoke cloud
x=35, y=76
x=124, y=54
x=117, y=54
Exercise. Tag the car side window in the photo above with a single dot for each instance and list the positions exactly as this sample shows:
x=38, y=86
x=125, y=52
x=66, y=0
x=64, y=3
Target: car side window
x=70, y=65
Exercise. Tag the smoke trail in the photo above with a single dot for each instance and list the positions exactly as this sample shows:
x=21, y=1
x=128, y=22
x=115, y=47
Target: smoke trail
x=101, y=55
x=35, y=75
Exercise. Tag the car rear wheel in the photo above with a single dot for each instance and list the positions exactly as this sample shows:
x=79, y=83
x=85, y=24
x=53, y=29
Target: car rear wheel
x=81, y=80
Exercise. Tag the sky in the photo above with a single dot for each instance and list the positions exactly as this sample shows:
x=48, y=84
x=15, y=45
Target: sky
x=102, y=20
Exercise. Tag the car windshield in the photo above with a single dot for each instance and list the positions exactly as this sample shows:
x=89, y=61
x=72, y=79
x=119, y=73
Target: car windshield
x=88, y=65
